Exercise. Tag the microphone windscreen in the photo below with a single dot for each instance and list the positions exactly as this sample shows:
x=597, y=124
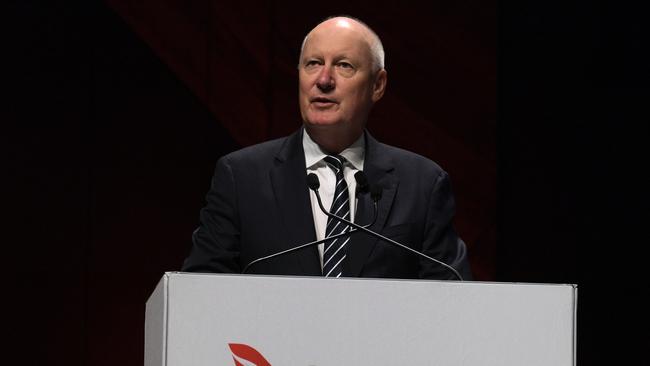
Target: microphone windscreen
x=362, y=181
x=312, y=181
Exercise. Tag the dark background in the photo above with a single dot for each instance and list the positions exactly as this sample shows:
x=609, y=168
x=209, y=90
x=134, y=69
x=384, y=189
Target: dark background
x=117, y=112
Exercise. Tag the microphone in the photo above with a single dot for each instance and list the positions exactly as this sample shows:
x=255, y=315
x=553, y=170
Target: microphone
x=362, y=182
x=376, y=192
x=313, y=183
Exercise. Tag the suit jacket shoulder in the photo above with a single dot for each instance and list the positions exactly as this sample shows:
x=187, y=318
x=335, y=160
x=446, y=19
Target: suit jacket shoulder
x=407, y=165
x=261, y=153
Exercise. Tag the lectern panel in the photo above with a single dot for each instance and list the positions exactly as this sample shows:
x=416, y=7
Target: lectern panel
x=217, y=319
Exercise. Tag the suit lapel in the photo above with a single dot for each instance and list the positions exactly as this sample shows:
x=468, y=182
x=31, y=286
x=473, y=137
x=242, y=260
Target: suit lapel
x=377, y=167
x=289, y=182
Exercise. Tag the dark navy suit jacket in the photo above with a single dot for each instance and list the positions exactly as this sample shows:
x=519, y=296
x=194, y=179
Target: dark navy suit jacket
x=259, y=204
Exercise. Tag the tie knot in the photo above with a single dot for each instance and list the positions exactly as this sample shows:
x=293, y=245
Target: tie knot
x=335, y=161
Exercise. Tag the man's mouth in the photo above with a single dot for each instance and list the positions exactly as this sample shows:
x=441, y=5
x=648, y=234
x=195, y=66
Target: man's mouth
x=322, y=102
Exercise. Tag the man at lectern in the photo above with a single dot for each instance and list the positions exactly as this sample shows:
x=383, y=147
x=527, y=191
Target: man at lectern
x=264, y=199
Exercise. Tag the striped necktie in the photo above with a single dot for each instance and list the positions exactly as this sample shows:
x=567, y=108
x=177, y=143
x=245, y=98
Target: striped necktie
x=334, y=251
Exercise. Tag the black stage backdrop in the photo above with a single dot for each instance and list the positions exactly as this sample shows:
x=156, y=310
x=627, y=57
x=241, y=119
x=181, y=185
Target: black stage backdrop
x=117, y=112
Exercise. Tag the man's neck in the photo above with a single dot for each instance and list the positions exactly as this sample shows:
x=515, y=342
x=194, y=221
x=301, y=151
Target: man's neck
x=330, y=141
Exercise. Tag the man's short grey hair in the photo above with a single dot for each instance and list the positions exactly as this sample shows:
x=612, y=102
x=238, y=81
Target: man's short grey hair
x=376, y=48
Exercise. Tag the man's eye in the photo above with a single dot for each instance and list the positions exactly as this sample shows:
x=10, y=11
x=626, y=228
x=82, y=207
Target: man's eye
x=345, y=65
x=311, y=63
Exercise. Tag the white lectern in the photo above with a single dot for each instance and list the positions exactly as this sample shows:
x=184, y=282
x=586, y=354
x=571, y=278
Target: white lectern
x=210, y=320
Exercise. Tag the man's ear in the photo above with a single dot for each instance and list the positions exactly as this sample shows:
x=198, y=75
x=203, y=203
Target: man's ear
x=379, y=85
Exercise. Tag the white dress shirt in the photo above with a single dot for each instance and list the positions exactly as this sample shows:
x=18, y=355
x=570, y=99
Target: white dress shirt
x=315, y=164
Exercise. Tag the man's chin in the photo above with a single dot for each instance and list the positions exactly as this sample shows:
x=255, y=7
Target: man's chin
x=322, y=123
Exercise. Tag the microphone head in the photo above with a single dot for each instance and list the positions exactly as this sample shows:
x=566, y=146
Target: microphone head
x=312, y=182
x=375, y=192
x=362, y=181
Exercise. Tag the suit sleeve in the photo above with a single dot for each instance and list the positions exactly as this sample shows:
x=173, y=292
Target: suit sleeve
x=216, y=242
x=440, y=238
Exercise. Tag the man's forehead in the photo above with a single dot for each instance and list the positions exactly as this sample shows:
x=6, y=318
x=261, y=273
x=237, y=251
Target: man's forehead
x=339, y=33
x=340, y=25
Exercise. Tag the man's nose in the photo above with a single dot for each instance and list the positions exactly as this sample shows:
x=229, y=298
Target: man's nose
x=325, y=82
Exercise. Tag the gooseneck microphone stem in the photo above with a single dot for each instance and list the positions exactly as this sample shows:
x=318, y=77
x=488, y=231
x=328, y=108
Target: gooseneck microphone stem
x=379, y=236
x=293, y=249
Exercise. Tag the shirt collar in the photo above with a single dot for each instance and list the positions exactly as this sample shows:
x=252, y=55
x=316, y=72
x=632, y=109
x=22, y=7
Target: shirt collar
x=354, y=154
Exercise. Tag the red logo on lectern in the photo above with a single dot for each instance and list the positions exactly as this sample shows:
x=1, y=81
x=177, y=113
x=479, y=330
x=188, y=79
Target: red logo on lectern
x=247, y=353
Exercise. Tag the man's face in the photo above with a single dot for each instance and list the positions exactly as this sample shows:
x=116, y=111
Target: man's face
x=336, y=78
